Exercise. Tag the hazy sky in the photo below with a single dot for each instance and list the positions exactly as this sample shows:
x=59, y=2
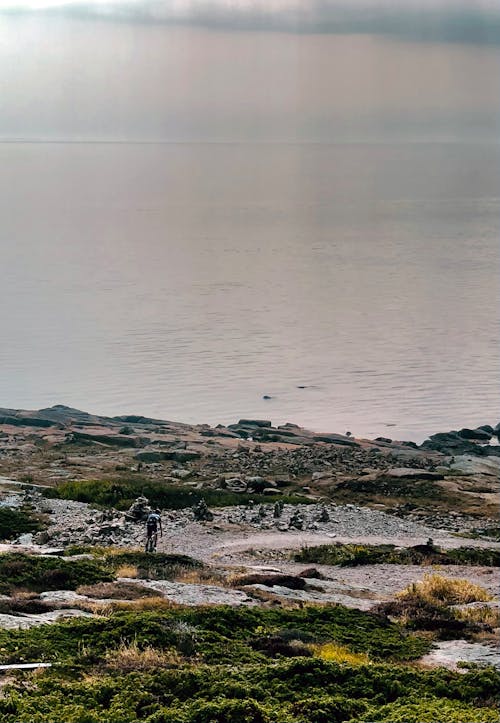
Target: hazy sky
x=219, y=70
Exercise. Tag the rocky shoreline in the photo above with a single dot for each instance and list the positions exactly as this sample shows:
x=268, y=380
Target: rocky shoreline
x=283, y=489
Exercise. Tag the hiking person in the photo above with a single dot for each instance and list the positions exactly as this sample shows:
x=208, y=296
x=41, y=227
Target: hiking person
x=153, y=522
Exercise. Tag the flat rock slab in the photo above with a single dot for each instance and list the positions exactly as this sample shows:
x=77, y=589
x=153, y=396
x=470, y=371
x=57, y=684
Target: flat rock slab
x=316, y=596
x=466, y=464
x=23, y=622
x=411, y=473
x=449, y=653
x=189, y=594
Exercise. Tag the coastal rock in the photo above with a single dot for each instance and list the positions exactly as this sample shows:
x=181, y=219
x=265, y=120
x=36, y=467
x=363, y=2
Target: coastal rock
x=480, y=434
x=466, y=465
x=453, y=443
x=253, y=423
x=411, y=473
x=16, y=622
x=149, y=456
x=235, y=484
x=183, y=455
x=336, y=439
x=259, y=484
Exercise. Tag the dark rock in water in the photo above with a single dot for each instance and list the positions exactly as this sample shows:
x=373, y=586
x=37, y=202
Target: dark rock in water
x=453, y=443
x=479, y=434
x=497, y=429
x=493, y=450
x=487, y=428
x=266, y=396
x=252, y=423
x=383, y=439
x=336, y=439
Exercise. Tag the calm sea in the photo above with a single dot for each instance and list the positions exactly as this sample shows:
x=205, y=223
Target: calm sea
x=356, y=285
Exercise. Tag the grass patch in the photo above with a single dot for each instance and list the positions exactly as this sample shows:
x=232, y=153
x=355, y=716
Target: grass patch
x=130, y=657
x=426, y=606
x=350, y=555
x=17, y=521
x=335, y=653
x=437, y=589
x=139, y=564
x=160, y=566
x=37, y=573
x=122, y=492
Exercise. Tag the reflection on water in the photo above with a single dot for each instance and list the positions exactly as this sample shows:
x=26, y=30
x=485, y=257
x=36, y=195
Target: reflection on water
x=356, y=285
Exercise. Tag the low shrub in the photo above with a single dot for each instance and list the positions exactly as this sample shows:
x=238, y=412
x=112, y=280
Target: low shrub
x=417, y=613
x=37, y=573
x=224, y=634
x=17, y=521
x=120, y=494
x=265, y=691
x=428, y=554
x=430, y=710
x=326, y=709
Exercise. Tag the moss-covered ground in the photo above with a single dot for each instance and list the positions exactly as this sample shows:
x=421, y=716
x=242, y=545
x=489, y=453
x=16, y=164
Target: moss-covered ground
x=208, y=665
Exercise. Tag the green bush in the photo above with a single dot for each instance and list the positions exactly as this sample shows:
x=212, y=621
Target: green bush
x=269, y=693
x=15, y=522
x=430, y=711
x=223, y=634
x=121, y=493
x=37, y=573
x=428, y=554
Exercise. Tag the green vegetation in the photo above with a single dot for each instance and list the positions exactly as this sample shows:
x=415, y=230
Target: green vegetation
x=428, y=554
x=17, y=521
x=233, y=665
x=122, y=492
x=160, y=566
x=427, y=605
x=303, y=690
x=219, y=634
x=37, y=573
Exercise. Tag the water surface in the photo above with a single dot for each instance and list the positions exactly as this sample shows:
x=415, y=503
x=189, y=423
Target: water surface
x=186, y=281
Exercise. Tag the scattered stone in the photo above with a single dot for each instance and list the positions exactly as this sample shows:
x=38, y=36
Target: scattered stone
x=139, y=509
x=297, y=520
x=201, y=512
